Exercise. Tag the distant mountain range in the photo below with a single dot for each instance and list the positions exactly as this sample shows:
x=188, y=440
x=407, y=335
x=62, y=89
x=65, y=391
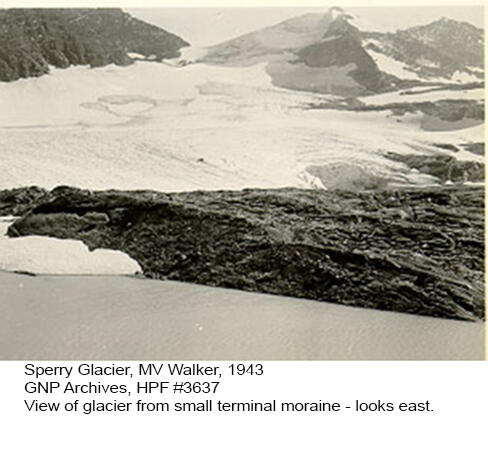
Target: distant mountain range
x=323, y=53
x=328, y=54
x=31, y=40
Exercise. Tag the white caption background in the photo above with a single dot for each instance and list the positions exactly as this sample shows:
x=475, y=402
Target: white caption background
x=457, y=392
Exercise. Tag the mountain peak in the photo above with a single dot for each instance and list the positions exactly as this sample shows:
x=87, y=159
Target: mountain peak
x=448, y=23
x=448, y=32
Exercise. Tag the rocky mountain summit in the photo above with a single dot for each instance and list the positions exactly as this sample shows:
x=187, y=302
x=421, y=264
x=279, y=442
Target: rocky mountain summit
x=31, y=40
x=411, y=250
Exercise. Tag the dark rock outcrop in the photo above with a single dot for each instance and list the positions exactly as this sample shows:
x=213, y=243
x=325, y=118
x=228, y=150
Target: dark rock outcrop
x=342, y=46
x=33, y=39
x=476, y=148
x=18, y=201
x=417, y=250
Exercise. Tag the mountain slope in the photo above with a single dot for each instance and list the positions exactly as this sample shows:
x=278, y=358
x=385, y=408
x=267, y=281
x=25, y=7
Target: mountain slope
x=439, y=49
x=31, y=40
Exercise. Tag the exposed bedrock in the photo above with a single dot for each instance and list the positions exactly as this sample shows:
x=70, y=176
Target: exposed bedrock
x=18, y=201
x=417, y=250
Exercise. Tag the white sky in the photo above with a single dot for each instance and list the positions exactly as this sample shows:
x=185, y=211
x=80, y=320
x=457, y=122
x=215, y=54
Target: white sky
x=206, y=26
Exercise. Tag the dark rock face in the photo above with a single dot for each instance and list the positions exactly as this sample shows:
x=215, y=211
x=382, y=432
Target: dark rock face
x=342, y=46
x=33, y=39
x=418, y=251
x=476, y=148
x=18, y=201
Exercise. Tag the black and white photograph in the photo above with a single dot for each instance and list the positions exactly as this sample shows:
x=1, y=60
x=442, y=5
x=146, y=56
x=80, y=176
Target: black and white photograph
x=275, y=183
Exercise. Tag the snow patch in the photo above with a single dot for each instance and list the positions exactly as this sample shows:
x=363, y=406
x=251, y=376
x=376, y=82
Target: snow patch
x=392, y=66
x=191, y=54
x=464, y=77
x=42, y=255
x=478, y=70
x=427, y=63
x=136, y=55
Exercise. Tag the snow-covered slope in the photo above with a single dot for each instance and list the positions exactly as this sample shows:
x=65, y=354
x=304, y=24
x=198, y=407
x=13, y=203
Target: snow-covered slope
x=168, y=128
x=100, y=318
